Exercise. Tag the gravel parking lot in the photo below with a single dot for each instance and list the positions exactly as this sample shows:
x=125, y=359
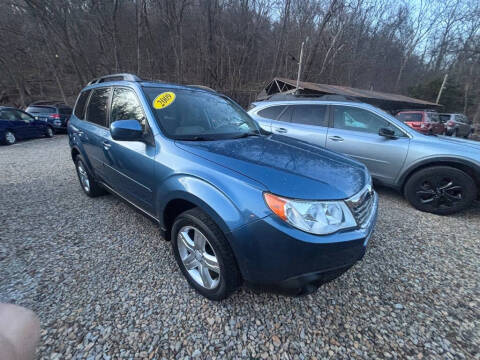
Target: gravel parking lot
x=106, y=286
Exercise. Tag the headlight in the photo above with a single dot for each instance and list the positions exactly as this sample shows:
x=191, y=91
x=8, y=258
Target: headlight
x=316, y=217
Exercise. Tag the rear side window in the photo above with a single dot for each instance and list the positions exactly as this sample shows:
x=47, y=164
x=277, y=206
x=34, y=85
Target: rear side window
x=271, y=112
x=8, y=115
x=97, y=107
x=287, y=115
x=80, y=106
x=41, y=110
x=310, y=115
x=406, y=117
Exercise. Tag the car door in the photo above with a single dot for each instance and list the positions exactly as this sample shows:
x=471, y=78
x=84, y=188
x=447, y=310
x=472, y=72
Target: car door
x=308, y=122
x=94, y=131
x=355, y=132
x=34, y=127
x=19, y=127
x=129, y=165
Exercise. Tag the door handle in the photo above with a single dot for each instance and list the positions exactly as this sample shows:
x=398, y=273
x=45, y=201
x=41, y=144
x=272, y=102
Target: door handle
x=281, y=130
x=336, y=138
x=107, y=145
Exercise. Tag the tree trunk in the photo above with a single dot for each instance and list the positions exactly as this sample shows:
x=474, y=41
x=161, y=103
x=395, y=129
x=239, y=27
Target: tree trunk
x=115, y=36
x=318, y=38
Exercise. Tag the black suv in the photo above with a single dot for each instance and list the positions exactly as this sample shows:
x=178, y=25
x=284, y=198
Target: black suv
x=56, y=114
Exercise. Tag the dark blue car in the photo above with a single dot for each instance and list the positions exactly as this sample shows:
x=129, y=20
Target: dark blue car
x=16, y=125
x=238, y=205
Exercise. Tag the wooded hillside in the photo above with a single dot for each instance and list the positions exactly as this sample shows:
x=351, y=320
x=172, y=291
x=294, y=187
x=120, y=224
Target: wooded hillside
x=52, y=48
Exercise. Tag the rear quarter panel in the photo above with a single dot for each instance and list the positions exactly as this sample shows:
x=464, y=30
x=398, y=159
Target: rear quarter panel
x=424, y=150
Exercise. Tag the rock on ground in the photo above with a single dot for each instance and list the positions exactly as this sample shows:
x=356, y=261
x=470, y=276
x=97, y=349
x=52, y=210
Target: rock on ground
x=106, y=286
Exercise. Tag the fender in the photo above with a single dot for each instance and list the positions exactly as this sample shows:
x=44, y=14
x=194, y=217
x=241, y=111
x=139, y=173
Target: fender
x=436, y=160
x=202, y=194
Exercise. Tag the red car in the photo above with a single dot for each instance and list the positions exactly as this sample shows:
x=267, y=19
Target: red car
x=427, y=122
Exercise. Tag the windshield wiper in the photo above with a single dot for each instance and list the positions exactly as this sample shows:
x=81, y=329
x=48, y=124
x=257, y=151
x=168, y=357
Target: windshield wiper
x=195, y=138
x=247, y=134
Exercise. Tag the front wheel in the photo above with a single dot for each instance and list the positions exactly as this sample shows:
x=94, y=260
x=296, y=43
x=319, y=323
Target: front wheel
x=203, y=255
x=441, y=190
x=9, y=138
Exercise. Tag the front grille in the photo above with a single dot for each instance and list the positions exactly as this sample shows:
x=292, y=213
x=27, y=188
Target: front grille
x=361, y=204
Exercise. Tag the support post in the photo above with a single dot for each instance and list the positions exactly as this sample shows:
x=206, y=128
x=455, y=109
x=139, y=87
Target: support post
x=300, y=65
x=441, y=88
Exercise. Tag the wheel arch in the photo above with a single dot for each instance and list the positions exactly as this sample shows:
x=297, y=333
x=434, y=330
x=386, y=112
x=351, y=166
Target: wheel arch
x=75, y=151
x=466, y=166
x=182, y=193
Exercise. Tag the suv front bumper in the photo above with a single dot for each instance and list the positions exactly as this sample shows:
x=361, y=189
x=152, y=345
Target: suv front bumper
x=272, y=254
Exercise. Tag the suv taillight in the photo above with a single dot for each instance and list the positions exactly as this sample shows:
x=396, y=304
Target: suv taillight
x=450, y=123
x=55, y=116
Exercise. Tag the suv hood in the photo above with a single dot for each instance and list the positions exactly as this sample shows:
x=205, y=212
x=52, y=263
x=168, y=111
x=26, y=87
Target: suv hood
x=285, y=166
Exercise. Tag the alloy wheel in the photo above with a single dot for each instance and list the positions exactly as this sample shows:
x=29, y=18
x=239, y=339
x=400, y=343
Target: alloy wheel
x=10, y=137
x=198, y=257
x=440, y=192
x=83, y=177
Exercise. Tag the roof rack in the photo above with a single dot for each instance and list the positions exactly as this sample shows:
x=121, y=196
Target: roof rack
x=115, y=77
x=48, y=102
x=418, y=109
x=304, y=96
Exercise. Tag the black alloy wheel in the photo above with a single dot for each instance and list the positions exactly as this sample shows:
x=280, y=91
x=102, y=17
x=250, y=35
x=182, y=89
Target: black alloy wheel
x=440, y=190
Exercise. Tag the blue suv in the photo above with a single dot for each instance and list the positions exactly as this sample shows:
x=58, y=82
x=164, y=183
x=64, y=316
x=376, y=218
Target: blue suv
x=238, y=204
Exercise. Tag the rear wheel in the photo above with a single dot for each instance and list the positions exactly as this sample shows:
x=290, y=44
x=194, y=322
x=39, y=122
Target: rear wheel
x=87, y=182
x=203, y=255
x=441, y=190
x=9, y=138
x=455, y=133
x=49, y=132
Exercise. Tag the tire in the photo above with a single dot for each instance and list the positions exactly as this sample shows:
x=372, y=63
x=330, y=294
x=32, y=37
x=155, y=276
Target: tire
x=441, y=190
x=455, y=133
x=213, y=284
x=87, y=181
x=9, y=138
x=49, y=132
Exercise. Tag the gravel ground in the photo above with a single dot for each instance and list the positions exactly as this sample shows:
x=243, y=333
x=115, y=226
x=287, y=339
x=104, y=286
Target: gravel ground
x=106, y=286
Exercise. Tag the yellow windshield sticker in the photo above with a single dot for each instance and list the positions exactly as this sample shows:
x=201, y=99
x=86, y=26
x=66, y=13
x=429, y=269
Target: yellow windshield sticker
x=163, y=100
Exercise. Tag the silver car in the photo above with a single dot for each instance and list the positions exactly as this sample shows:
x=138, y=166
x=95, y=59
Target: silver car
x=457, y=125
x=437, y=174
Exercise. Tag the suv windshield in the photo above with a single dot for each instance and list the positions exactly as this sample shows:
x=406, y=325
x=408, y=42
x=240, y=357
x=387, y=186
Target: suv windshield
x=195, y=115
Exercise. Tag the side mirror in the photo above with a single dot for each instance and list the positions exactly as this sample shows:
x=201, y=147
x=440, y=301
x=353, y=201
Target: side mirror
x=390, y=134
x=126, y=130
